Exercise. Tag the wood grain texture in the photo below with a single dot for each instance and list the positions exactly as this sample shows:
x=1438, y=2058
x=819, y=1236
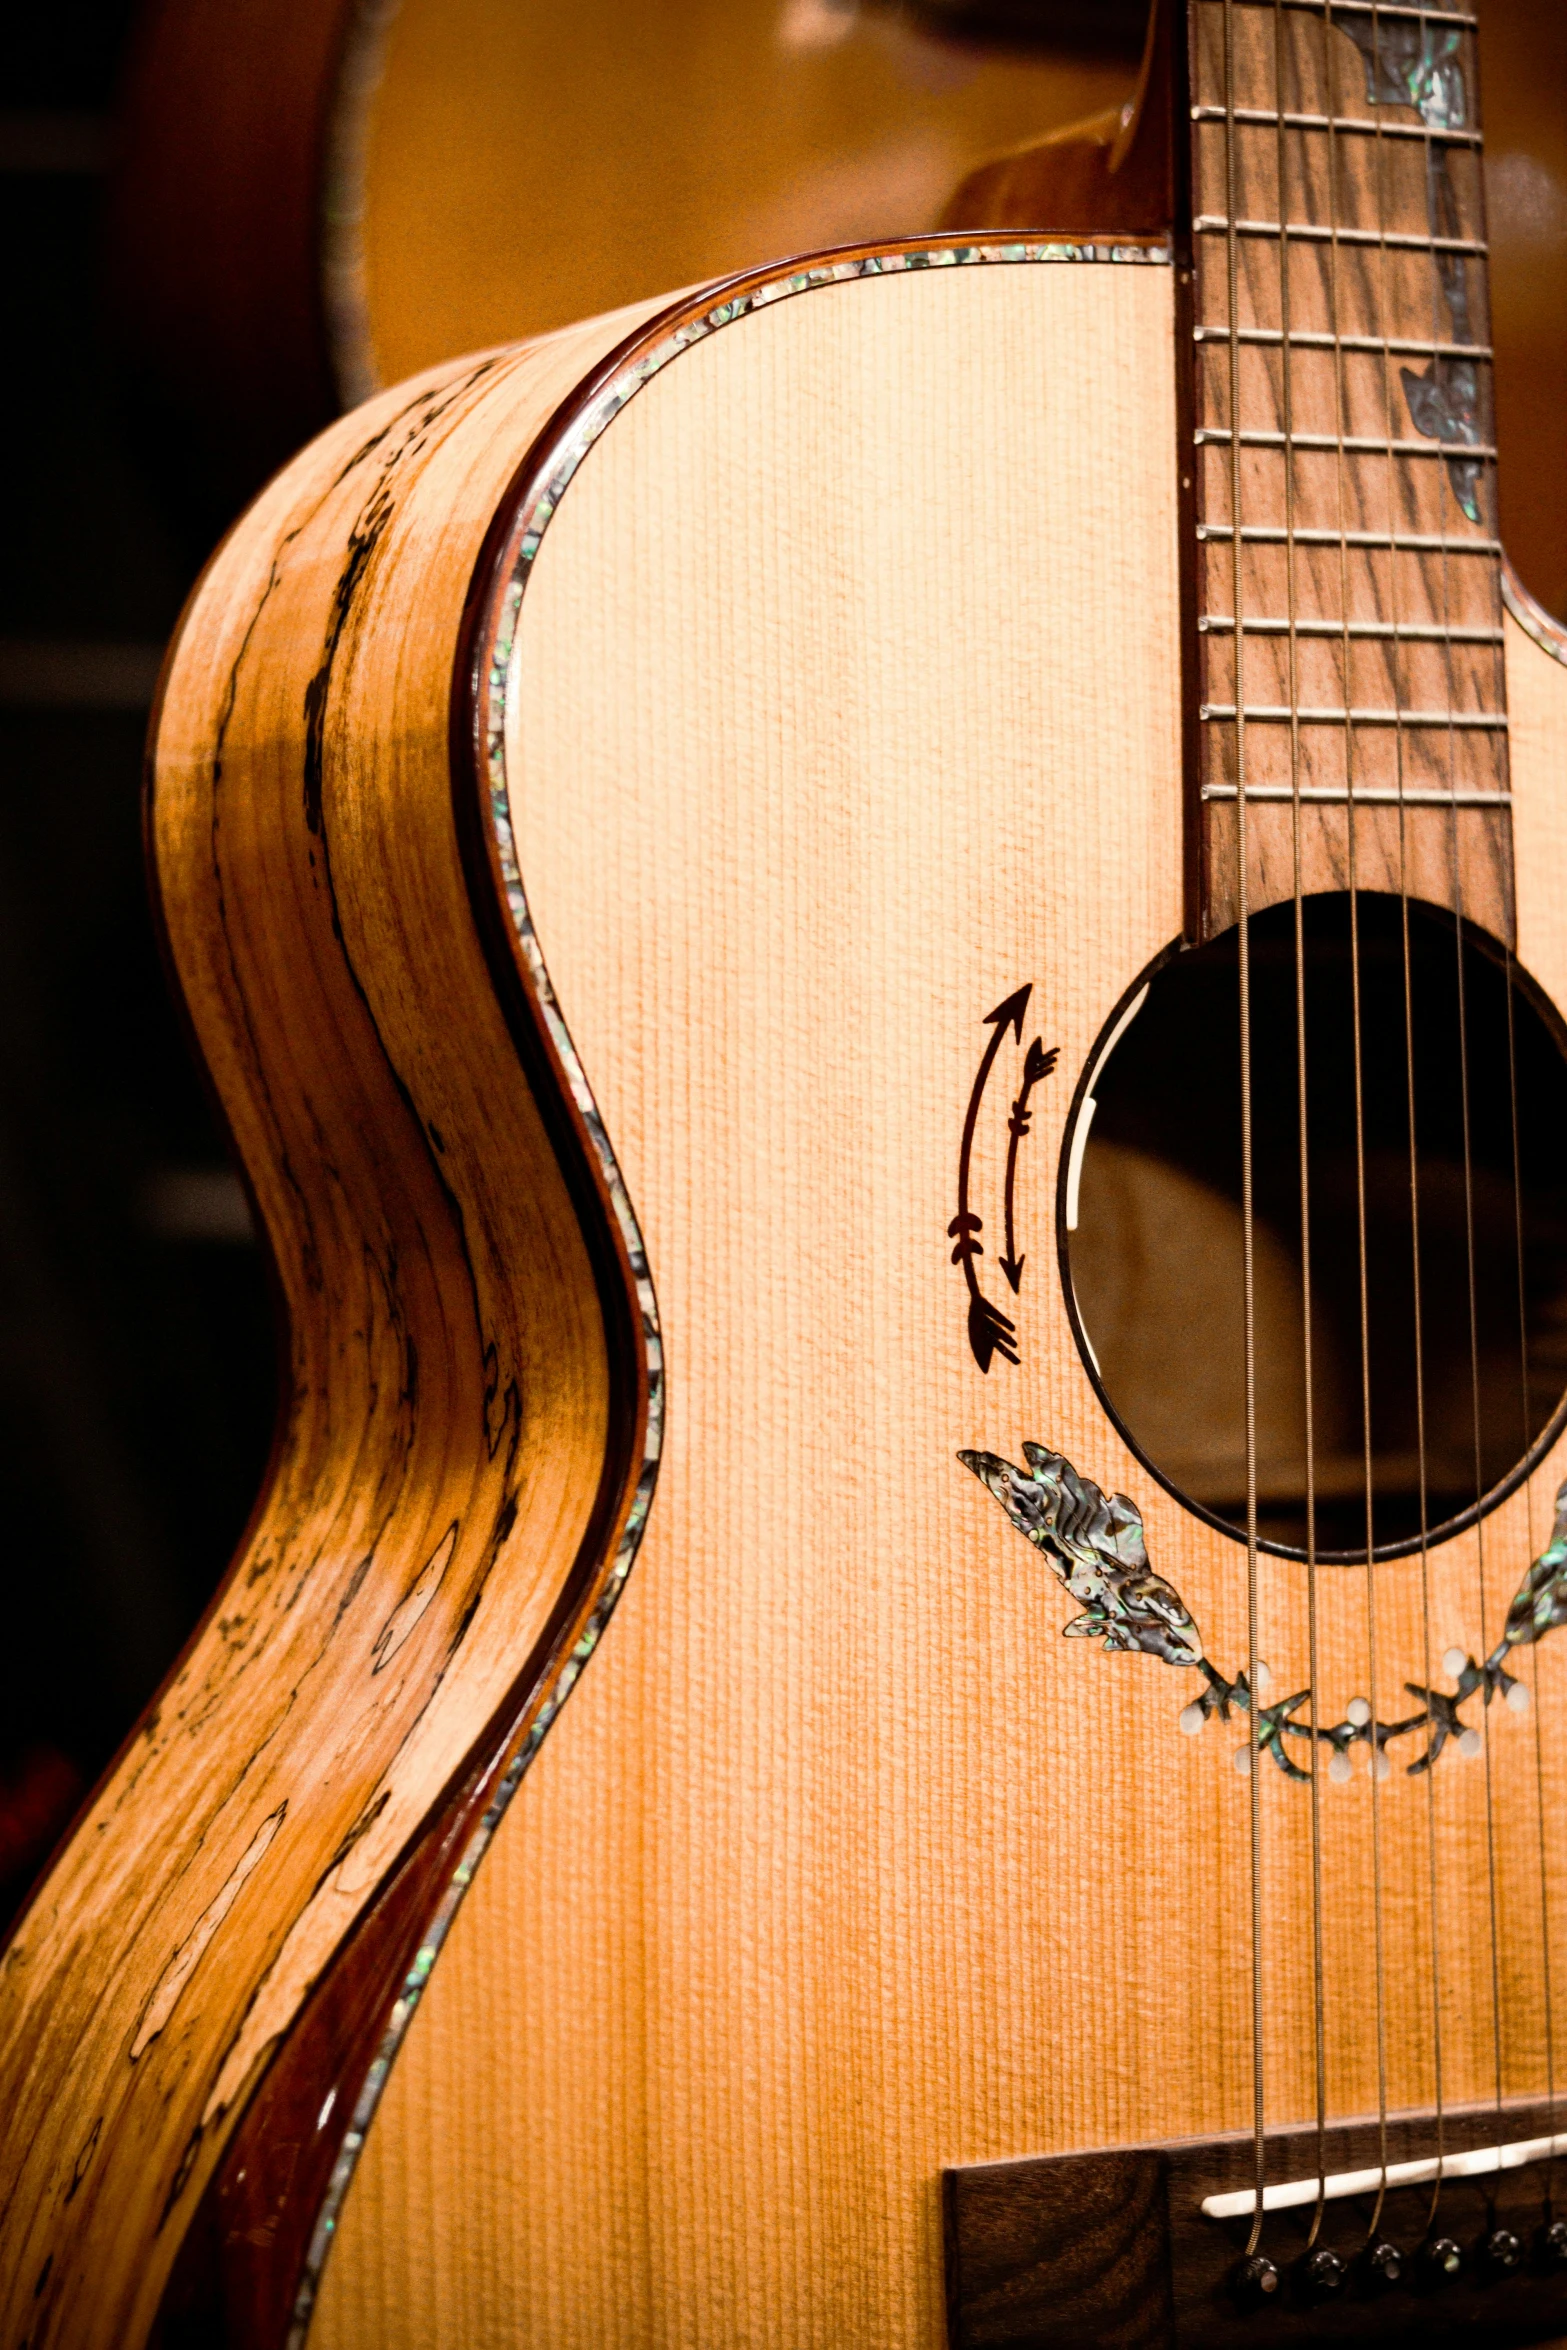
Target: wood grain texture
x=441, y=1457
x=1070, y=2251
x=841, y=1868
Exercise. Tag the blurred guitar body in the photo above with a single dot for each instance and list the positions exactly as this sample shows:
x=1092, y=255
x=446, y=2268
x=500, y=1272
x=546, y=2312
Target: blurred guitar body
x=317, y=200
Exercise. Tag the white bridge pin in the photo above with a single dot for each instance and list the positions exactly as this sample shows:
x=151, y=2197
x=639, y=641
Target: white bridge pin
x=1453, y=1662
x=1358, y=1711
x=1192, y=1717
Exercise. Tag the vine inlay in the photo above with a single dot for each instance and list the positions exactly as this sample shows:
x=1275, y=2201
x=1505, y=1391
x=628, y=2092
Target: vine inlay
x=1094, y=1542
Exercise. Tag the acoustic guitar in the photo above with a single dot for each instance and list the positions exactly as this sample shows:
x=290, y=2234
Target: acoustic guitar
x=886, y=945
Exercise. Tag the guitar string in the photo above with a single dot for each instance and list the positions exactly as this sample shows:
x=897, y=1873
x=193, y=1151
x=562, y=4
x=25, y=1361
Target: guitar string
x=1403, y=700
x=1308, y=1366
x=1510, y=968
x=1248, y=1305
x=1447, y=658
x=1474, y=1389
x=1482, y=228
x=1526, y=1431
x=1433, y=182
x=1526, y=1416
x=1546, y=1998
x=1336, y=282
x=1433, y=1877
x=1381, y=1767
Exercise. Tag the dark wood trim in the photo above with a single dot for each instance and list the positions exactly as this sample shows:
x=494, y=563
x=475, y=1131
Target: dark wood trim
x=1081, y=2251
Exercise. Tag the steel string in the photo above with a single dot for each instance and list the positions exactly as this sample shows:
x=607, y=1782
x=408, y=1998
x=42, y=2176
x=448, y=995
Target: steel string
x=1469, y=1230
x=1425, y=1560
x=1287, y=418
x=1351, y=829
x=1539, y=1736
x=1411, y=1109
x=1253, y=1711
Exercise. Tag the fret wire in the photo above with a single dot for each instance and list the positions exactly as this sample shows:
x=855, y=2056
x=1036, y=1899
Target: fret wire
x=1406, y=631
x=1365, y=795
x=1357, y=445
x=1278, y=713
x=1401, y=542
x=1404, y=8
x=1316, y=339
x=1265, y=118
x=1317, y=232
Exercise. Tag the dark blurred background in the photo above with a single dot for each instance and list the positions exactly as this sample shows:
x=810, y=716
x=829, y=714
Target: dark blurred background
x=136, y=1359
x=227, y=219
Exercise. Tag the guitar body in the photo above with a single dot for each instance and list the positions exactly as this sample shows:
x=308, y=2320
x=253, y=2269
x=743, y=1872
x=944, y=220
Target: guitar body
x=655, y=829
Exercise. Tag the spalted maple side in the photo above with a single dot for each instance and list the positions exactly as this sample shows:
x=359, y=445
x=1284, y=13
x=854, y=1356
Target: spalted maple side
x=443, y=1452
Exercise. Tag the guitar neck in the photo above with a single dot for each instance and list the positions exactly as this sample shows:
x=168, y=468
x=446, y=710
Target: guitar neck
x=1353, y=726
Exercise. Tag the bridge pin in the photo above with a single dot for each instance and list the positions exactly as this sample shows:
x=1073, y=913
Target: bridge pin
x=1256, y=2282
x=1382, y=2264
x=1551, y=2244
x=1441, y=2260
x=1321, y=2274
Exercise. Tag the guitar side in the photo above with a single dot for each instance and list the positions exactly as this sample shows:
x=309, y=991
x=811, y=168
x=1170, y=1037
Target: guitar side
x=459, y=1441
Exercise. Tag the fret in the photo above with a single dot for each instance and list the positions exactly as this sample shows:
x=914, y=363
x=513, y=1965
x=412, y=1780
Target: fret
x=1364, y=796
x=1384, y=8
x=1351, y=444
x=1315, y=339
x=1401, y=631
x=1323, y=233
x=1364, y=126
x=1277, y=713
x=1269, y=534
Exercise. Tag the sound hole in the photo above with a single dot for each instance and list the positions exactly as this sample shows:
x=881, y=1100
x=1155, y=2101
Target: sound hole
x=1156, y=1255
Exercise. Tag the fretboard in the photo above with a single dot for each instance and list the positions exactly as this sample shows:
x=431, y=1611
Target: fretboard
x=1348, y=569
